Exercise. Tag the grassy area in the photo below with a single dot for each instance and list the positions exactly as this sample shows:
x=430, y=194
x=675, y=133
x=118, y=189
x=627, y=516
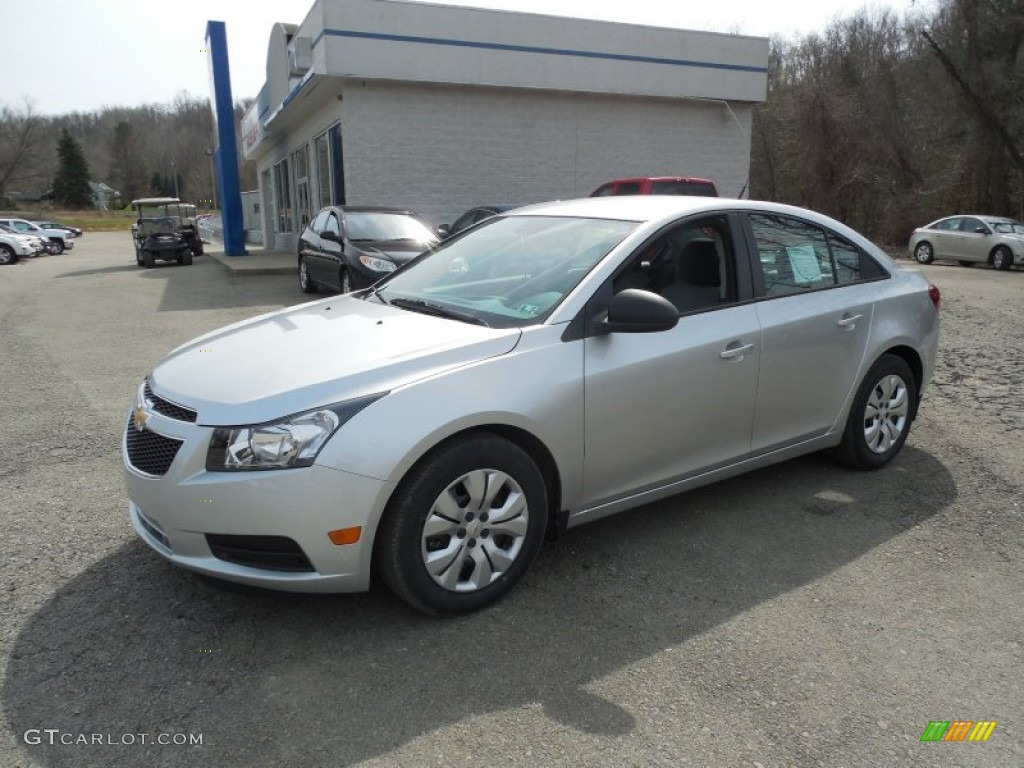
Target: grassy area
x=89, y=221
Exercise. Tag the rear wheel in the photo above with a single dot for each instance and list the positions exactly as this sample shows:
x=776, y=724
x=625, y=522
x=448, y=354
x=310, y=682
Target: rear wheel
x=1002, y=258
x=880, y=417
x=306, y=283
x=58, y=245
x=147, y=260
x=463, y=526
x=138, y=255
x=7, y=255
x=923, y=253
x=185, y=258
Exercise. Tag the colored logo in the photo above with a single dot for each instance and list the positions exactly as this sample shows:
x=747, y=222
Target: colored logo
x=958, y=730
x=140, y=417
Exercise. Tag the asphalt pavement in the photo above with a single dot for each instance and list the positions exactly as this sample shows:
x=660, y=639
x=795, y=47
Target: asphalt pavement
x=801, y=615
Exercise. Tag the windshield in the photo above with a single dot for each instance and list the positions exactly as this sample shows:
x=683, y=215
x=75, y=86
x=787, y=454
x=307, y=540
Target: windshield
x=508, y=272
x=387, y=226
x=685, y=188
x=1007, y=227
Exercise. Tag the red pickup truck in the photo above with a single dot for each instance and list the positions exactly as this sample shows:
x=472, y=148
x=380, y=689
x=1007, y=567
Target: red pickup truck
x=659, y=185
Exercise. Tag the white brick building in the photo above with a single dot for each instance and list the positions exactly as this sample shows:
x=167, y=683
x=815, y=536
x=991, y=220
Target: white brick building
x=441, y=108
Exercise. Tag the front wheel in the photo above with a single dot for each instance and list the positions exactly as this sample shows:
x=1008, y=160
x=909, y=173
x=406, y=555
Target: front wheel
x=186, y=258
x=463, y=526
x=1002, y=258
x=7, y=255
x=923, y=254
x=306, y=283
x=148, y=260
x=880, y=417
x=345, y=281
x=58, y=246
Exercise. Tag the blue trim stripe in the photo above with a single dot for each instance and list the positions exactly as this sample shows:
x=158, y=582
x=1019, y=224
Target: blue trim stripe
x=536, y=49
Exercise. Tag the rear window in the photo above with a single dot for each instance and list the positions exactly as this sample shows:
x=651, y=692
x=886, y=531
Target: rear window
x=690, y=188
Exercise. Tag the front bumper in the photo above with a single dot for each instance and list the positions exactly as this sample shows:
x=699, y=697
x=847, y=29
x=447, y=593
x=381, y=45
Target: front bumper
x=187, y=514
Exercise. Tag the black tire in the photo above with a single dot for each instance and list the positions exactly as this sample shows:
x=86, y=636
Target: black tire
x=923, y=253
x=345, y=281
x=1002, y=259
x=7, y=255
x=856, y=450
x=402, y=544
x=58, y=245
x=966, y=263
x=186, y=258
x=306, y=283
x=138, y=255
x=147, y=259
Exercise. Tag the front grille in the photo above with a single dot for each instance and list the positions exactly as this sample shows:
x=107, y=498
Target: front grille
x=272, y=553
x=149, y=452
x=167, y=408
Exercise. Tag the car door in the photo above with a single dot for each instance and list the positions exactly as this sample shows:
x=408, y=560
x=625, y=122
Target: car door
x=974, y=240
x=331, y=251
x=663, y=406
x=815, y=313
x=309, y=247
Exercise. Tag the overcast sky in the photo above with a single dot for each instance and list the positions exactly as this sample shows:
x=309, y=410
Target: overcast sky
x=80, y=55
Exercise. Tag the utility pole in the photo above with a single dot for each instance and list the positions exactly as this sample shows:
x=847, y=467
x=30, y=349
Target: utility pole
x=213, y=178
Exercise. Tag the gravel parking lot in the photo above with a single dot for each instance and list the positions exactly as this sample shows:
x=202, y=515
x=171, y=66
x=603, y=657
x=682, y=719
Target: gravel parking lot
x=802, y=615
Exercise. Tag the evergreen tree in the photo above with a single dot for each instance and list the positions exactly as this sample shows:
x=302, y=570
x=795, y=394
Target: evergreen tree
x=71, y=186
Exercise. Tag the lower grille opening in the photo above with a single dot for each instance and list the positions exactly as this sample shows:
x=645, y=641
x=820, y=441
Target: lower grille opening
x=272, y=553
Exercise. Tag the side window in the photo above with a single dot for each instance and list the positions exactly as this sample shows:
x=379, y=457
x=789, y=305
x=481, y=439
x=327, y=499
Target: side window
x=319, y=222
x=950, y=225
x=464, y=221
x=971, y=225
x=604, y=191
x=794, y=255
x=332, y=224
x=629, y=188
x=691, y=265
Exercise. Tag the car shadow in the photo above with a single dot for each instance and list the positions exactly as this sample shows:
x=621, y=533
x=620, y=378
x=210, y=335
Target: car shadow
x=100, y=271
x=134, y=645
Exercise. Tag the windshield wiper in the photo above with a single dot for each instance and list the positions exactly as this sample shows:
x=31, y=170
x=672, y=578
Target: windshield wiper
x=427, y=308
x=375, y=292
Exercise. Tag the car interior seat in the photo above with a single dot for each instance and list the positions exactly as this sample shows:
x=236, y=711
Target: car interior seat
x=698, y=277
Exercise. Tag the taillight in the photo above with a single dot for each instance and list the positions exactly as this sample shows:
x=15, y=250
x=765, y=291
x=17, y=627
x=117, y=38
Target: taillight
x=935, y=295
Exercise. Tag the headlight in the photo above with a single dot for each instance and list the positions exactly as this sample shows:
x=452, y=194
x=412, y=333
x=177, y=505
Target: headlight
x=291, y=442
x=377, y=265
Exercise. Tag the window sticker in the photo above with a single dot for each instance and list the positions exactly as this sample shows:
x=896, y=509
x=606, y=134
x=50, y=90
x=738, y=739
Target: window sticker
x=804, y=262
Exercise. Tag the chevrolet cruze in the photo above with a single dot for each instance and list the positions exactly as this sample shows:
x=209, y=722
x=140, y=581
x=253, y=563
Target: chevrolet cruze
x=543, y=369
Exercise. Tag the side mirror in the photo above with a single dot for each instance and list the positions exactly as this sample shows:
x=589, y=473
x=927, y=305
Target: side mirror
x=444, y=230
x=981, y=231
x=329, y=235
x=637, y=311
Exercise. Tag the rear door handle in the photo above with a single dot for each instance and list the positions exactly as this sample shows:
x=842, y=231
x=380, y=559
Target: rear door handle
x=735, y=352
x=849, y=321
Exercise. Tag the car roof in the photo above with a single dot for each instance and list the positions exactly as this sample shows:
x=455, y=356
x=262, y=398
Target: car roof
x=696, y=179
x=644, y=208
x=156, y=201
x=370, y=209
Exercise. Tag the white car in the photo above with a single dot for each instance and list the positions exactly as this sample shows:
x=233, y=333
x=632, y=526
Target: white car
x=60, y=238
x=970, y=240
x=546, y=368
x=13, y=248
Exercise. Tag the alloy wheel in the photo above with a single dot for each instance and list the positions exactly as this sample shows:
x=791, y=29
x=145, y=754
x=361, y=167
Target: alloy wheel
x=885, y=415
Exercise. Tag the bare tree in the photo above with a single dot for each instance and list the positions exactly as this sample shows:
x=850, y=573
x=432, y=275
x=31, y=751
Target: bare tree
x=20, y=141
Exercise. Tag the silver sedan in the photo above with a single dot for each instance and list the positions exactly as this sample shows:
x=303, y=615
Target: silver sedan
x=970, y=240
x=549, y=367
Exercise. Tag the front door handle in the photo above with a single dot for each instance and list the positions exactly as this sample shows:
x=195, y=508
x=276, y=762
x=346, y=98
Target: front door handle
x=849, y=321
x=735, y=352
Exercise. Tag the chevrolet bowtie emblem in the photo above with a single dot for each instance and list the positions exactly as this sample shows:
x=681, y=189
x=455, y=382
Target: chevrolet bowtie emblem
x=140, y=417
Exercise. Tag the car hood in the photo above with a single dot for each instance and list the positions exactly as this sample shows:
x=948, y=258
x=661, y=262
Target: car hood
x=316, y=354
